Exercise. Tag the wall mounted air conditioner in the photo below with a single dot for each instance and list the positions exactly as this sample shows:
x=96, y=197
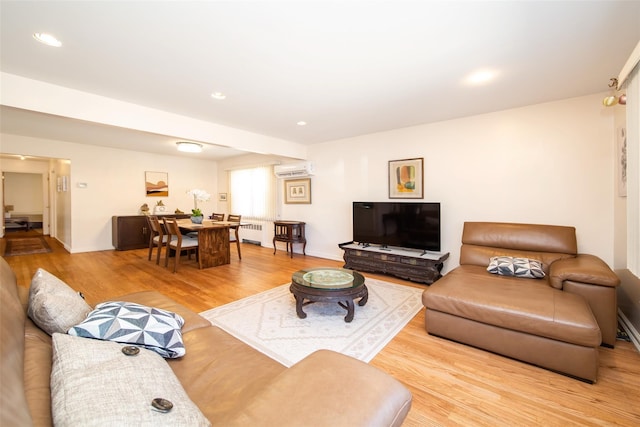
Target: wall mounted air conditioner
x=293, y=170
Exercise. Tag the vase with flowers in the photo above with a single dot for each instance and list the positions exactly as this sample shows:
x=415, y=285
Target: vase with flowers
x=198, y=196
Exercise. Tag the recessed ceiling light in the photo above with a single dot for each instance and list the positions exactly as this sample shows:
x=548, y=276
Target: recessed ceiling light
x=47, y=39
x=301, y=123
x=189, y=147
x=218, y=95
x=480, y=77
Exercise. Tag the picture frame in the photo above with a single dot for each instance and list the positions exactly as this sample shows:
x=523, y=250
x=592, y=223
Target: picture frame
x=297, y=191
x=406, y=178
x=222, y=197
x=156, y=184
x=622, y=162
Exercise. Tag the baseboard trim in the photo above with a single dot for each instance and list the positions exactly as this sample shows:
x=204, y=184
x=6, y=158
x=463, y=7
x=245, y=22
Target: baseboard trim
x=630, y=329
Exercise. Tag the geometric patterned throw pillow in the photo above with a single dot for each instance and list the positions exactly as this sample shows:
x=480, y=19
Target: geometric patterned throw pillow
x=517, y=267
x=130, y=323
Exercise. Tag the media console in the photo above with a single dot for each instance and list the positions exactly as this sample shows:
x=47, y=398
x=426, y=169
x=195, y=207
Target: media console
x=409, y=264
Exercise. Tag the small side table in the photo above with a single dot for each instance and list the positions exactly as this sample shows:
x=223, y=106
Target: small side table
x=289, y=232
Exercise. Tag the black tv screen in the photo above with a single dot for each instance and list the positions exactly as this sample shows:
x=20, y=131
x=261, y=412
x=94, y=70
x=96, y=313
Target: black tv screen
x=407, y=225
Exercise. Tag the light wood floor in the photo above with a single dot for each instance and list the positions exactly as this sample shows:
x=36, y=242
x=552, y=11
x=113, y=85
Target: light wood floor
x=452, y=384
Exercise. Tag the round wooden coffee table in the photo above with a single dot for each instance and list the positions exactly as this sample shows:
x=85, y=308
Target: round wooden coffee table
x=326, y=284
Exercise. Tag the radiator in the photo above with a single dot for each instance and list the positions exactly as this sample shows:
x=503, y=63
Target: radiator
x=254, y=232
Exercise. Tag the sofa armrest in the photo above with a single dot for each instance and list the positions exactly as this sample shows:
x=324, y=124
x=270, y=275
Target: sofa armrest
x=583, y=268
x=328, y=388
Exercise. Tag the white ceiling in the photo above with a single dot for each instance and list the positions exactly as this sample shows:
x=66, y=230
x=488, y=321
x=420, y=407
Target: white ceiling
x=347, y=68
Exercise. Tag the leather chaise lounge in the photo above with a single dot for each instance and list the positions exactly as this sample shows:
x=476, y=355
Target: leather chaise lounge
x=556, y=322
x=230, y=383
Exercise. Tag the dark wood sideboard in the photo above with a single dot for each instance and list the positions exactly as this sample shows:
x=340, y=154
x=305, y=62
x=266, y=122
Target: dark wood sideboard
x=407, y=264
x=132, y=231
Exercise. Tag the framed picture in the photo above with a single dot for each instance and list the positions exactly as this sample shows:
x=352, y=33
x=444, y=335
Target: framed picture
x=406, y=179
x=622, y=162
x=297, y=191
x=222, y=197
x=156, y=184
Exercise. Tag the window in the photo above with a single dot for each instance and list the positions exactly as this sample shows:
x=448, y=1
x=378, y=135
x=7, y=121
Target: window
x=252, y=193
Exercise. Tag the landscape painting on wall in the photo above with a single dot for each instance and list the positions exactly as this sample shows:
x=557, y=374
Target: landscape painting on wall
x=406, y=179
x=156, y=184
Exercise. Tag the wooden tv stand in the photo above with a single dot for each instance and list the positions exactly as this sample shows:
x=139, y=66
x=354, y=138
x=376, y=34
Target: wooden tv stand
x=408, y=264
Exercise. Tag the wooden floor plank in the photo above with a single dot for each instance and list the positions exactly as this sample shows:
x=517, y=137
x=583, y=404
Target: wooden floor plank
x=452, y=384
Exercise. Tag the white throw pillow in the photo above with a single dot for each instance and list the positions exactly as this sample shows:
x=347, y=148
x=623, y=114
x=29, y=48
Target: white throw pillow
x=53, y=305
x=93, y=383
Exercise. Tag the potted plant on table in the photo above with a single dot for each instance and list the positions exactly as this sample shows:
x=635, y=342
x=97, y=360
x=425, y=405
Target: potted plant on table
x=196, y=216
x=198, y=196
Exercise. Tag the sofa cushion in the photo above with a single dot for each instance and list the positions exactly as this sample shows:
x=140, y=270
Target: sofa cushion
x=126, y=322
x=530, y=306
x=37, y=373
x=222, y=373
x=93, y=383
x=13, y=403
x=514, y=266
x=53, y=305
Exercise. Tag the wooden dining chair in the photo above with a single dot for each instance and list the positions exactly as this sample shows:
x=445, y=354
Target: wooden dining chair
x=157, y=238
x=233, y=232
x=179, y=243
x=217, y=217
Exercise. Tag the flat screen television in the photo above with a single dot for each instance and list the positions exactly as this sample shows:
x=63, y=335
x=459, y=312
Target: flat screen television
x=407, y=225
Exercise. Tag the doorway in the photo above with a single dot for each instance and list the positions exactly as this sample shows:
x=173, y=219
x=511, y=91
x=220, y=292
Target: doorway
x=25, y=202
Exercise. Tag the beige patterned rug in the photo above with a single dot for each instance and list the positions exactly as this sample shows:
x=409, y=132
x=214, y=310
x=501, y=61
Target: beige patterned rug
x=268, y=322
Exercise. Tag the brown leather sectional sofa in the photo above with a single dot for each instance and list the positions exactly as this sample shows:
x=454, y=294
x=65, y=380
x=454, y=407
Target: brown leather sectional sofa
x=230, y=382
x=556, y=322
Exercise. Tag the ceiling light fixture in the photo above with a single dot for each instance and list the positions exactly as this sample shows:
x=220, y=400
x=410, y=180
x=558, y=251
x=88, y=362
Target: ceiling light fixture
x=47, y=39
x=189, y=147
x=218, y=95
x=480, y=77
x=301, y=123
x=613, y=98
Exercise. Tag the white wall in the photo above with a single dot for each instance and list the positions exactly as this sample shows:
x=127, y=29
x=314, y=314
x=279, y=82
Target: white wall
x=24, y=202
x=549, y=163
x=619, y=203
x=115, y=185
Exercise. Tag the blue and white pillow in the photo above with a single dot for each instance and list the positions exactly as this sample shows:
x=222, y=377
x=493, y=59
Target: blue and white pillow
x=130, y=323
x=517, y=267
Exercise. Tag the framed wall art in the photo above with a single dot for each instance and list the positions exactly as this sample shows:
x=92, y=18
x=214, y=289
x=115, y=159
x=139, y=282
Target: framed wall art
x=297, y=191
x=406, y=179
x=622, y=162
x=156, y=184
x=222, y=197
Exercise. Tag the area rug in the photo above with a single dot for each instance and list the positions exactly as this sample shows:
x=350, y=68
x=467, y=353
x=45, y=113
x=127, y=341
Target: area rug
x=268, y=322
x=26, y=246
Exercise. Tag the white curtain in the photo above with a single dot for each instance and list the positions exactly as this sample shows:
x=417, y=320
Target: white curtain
x=252, y=193
x=633, y=171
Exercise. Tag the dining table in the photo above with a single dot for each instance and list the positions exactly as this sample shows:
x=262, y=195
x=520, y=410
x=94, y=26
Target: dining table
x=213, y=240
